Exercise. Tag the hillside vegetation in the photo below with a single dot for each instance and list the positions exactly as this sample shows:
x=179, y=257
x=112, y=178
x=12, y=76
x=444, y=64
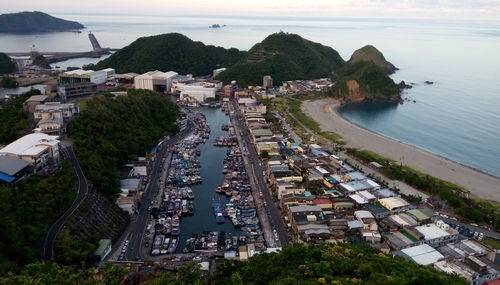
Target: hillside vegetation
x=371, y=53
x=6, y=64
x=112, y=130
x=14, y=118
x=172, y=51
x=35, y=22
x=284, y=57
x=27, y=209
x=364, y=81
x=297, y=264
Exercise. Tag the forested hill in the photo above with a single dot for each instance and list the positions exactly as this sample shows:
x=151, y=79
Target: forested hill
x=172, y=51
x=6, y=64
x=371, y=53
x=284, y=57
x=112, y=130
x=35, y=22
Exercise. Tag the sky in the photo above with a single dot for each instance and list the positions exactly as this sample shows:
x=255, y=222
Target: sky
x=436, y=9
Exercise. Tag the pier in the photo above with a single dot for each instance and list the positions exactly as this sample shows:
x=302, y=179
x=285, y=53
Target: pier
x=53, y=57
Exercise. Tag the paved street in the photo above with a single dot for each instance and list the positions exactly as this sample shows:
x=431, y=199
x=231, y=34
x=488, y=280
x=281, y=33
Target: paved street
x=82, y=190
x=257, y=176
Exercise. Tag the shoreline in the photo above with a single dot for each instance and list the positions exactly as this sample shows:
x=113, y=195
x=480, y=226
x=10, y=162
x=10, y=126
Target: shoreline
x=481, y=184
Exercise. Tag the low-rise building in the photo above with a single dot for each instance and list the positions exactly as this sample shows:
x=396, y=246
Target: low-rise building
x=155, y=80
x=396, y=204
x=38, y=149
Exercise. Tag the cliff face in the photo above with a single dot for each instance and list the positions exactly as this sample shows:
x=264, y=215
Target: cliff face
x=372, y=54
x=364, y=81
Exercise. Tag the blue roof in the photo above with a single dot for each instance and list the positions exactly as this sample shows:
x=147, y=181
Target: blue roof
x=307, y=193
x=6, y=178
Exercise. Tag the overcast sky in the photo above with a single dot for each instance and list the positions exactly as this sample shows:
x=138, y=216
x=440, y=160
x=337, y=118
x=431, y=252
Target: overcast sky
x=437, y=9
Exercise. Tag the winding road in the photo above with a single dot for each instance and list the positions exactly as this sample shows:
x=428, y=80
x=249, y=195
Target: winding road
x=82, y=190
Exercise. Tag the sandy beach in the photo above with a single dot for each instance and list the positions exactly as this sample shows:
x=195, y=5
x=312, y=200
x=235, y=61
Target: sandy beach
x=481, y=185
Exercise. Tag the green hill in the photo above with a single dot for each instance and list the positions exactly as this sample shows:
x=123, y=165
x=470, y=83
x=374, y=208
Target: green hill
x=40, y=61
x=170, y=52
x=6, y=64
x=364, y=81
x=35, y=22
x=371, y=53
x=284, y=57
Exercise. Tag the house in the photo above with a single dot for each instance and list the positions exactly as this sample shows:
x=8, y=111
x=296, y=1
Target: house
x=359, y=185
x=436, y=234
x=323, y=203
x=30, y=104
x=55, y=109
x=396, y=204
x=38, y=149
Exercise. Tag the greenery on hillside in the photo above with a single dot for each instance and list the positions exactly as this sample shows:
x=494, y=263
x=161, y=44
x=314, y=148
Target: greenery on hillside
x=40, y=61
x=35, y=22
x=296, y=264
x=374, y=83
x=470, y=209
x=167, y=52
x=371, y=53
x=28, y=208
x=8, y=82
x=53, y=274
x=14, y=118
x=329, y=264
x=284, y=57
x=112, y=130
x=6, y=64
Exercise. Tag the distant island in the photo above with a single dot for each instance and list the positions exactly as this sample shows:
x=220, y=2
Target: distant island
x=35, y=22
x=371, y=53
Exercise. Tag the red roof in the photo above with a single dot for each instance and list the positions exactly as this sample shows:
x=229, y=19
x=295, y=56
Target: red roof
x=322, y=201
x=493, y=282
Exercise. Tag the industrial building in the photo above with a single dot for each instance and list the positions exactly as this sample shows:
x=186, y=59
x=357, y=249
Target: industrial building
x=155, y=81
x=80, y=75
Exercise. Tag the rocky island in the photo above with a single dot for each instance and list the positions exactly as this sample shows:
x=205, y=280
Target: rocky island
x=35, y=22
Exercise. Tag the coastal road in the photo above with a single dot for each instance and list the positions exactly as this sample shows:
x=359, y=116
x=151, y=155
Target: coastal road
x=258, y=172
x=134, y=233
x=82, y=190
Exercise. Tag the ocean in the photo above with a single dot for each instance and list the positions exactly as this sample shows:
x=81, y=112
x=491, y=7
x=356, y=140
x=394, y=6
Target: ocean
x=457, y=117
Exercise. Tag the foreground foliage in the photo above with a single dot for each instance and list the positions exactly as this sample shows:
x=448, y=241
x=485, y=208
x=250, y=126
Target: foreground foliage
x=14, y=119
x=284, y=57
x=470, y=209
x=296, y=264
x=112, y=130
x=27, y=209
x=167, y=52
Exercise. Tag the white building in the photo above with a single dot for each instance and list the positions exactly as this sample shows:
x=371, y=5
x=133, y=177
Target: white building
x=80, y=75
x=199, y=91
x=155, y=80
x=38, y=149
x=56, y=109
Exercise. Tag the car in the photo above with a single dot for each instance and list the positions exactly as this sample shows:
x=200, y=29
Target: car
x=126, y=242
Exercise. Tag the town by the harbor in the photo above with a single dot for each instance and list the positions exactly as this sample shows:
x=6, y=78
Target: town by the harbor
x=273, y=181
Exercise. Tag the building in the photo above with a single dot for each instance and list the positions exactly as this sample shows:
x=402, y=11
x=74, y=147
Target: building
x=436, y=234
x=77, y=90
x=267, y=82
x=199, y=91
x=55, y=109
x=12, y=168
x=30, y=104
x=38, y=149
x=80, y=76
x=51, y=126
x=422, y=254
x=396, y=204
x=155, y=81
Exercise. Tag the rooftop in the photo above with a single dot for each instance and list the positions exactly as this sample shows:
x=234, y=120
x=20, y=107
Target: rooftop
x=392, y=203
x=37, y=98
x=31, y=144
x=423, y=254
x=432, y=231
x=11, y=165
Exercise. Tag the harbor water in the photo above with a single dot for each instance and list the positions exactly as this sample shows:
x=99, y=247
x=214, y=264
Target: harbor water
x=211, y=160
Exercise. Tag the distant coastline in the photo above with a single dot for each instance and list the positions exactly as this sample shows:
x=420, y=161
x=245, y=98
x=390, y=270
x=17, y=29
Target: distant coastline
x=481, y=184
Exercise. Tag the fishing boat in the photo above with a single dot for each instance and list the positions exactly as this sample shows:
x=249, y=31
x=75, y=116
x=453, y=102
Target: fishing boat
x=219, y=218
